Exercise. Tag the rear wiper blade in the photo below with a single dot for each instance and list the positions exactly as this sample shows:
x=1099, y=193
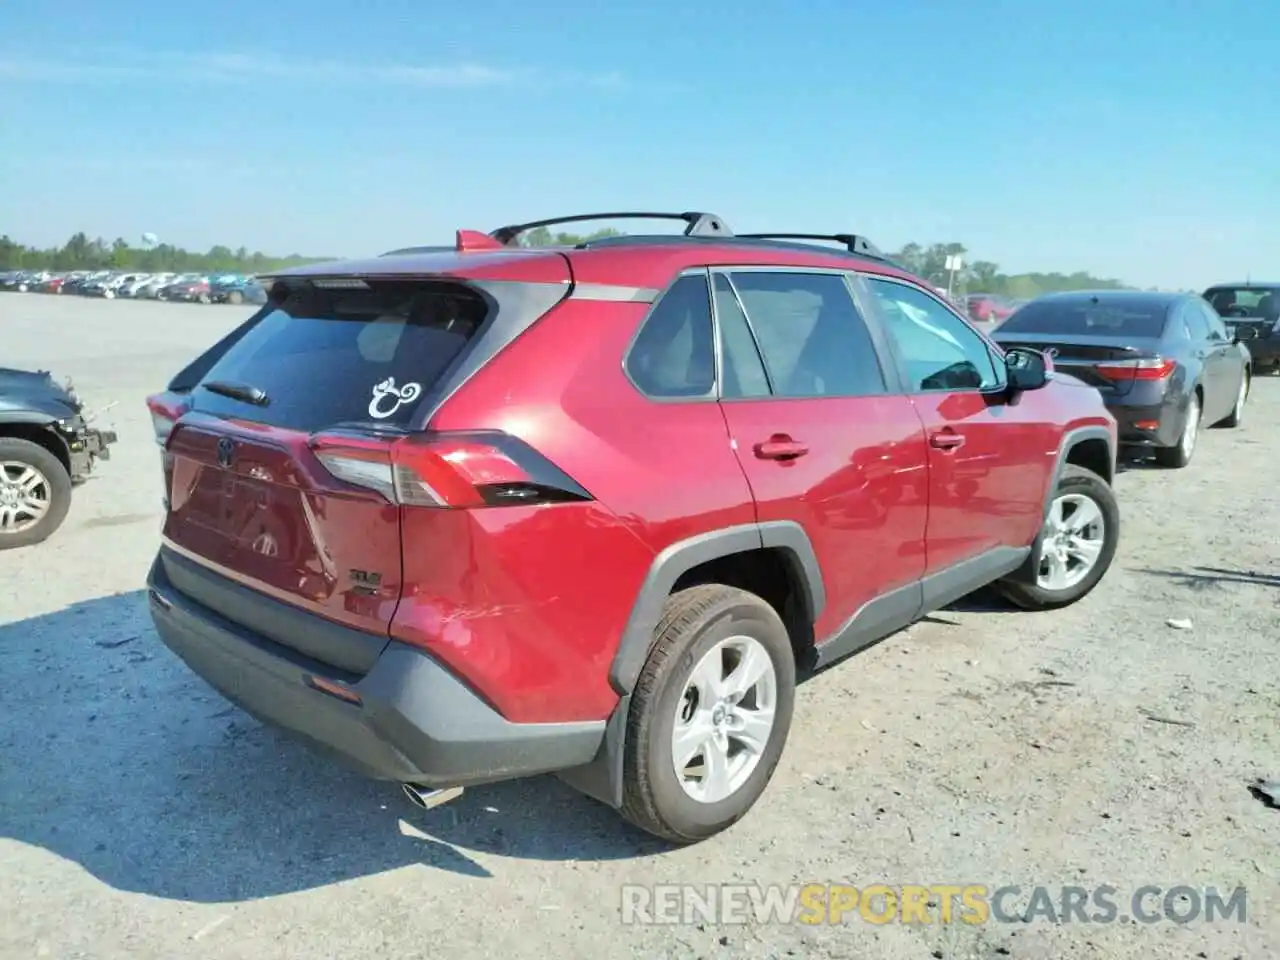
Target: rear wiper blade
x=368, y=426
x=238, y=391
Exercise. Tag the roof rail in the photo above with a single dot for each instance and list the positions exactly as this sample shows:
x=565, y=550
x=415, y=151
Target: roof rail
x=405, y=251
x=852, y=242
x=699, y=224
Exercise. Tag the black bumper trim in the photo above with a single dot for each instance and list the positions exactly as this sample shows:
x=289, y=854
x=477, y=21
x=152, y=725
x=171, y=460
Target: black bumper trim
x=416, y=722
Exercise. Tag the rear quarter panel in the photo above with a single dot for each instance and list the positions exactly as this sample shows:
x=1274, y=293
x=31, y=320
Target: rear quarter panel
x=529, y=603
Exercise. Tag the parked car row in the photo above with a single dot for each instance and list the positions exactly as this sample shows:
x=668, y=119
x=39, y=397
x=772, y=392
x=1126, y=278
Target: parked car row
x=1165, y=364
x=115, y=284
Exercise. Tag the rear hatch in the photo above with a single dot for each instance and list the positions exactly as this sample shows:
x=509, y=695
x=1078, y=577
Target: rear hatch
x=1105, y=363
x=257, y=496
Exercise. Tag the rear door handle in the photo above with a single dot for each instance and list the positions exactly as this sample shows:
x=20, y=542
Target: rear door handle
x=947, y=440
x=780, y=447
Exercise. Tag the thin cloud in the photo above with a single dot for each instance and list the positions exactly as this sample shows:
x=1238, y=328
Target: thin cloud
x=259, y=68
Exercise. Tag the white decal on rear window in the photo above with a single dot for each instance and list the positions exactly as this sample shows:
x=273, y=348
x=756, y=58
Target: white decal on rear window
x=380, y=409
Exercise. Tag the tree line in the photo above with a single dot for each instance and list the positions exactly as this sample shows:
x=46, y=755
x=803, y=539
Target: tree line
x=928, y=261
x=82, y=253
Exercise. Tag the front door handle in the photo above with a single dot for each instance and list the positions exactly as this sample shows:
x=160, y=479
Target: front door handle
x=947, y=440
x=780, y=447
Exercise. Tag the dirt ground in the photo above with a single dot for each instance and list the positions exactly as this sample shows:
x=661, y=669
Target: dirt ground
x=142, y=817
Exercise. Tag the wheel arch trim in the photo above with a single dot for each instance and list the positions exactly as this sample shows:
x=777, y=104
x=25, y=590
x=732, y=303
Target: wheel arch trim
x=678, y=558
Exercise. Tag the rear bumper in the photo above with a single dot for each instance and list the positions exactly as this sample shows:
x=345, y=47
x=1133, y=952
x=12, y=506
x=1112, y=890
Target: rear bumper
x=408, y=719
x=1133, y=425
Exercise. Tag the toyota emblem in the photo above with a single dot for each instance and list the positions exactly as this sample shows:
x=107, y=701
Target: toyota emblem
x=225, y=449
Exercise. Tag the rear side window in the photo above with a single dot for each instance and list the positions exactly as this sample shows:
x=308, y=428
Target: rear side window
x=325, y=357
x=673, y=355
x=1086, y=318
x=812, y=338
x=744, y=374
x=1197, y=323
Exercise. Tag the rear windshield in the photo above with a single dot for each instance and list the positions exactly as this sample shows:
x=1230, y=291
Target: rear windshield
x=325, y=357
x=1253, y=303
x=1083, y=318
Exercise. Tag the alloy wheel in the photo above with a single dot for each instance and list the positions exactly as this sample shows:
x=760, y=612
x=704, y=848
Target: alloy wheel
x=724, y=719
x=1072, y=541
x=25, y=496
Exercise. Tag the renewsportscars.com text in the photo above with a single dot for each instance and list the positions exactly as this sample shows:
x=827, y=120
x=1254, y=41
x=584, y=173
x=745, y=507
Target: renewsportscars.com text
x=940, y=903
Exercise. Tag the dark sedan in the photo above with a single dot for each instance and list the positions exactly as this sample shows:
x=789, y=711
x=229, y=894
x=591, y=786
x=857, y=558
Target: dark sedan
x=1256, y=307
x=1164, y=362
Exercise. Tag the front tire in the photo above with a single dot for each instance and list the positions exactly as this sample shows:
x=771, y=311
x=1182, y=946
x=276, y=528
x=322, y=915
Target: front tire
x=710, y=714
x=35, y=493
x=1075, y=548
x=1180, y=454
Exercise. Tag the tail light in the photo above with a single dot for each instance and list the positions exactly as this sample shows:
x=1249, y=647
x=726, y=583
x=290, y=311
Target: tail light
x=448, y=470
x=165, y=411
x=1146, y=368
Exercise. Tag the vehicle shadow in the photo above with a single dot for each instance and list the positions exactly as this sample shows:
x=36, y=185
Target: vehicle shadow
x=115, y=757
x=1211, y=576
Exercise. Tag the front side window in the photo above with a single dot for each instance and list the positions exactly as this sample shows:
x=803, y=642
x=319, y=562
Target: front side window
x=938, y=350
x=1217, y=329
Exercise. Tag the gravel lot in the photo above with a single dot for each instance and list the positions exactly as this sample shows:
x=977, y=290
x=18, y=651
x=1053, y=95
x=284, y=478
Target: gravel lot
x=141, y=816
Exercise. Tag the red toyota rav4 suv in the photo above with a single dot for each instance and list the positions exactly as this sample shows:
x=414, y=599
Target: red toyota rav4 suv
x=467, y=514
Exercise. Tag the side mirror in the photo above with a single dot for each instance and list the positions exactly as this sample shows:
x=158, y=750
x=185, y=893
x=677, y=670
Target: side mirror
x=1028, y=369
x=1243, y=334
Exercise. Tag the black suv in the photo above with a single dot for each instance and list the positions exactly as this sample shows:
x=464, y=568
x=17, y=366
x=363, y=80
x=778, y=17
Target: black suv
x=1255, y=307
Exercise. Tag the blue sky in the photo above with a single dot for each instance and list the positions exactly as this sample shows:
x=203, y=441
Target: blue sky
x=1131, y=138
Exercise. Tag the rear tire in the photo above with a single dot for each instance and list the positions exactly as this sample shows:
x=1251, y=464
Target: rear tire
x=27, y=468
x=1180, y=454
x=1237, y=412
x=677, y=703
x=1082, y=494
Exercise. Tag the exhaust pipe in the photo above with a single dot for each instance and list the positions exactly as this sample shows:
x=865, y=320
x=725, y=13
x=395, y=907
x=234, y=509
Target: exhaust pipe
x=424, y=798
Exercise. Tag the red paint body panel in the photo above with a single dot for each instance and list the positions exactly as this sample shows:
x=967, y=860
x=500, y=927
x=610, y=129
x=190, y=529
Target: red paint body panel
x=860, y=492
x=619, y=265
x=278, y=523
x=675, y=478
x=522, y=602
